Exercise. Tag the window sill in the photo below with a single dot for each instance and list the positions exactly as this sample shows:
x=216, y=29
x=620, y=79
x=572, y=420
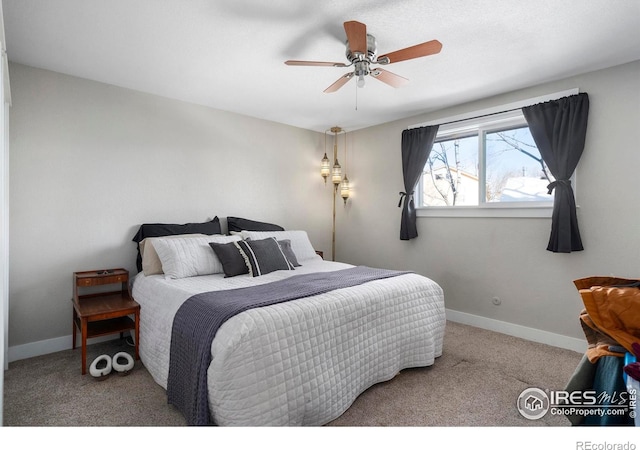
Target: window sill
x=523, y=212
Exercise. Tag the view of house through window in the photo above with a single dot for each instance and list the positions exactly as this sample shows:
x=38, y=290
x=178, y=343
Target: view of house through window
x=488, y=163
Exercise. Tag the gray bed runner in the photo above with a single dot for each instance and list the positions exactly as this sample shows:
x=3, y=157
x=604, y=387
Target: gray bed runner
x=199, y=318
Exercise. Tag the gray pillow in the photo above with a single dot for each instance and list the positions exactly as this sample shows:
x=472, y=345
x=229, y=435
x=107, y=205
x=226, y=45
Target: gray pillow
x=285, y=245
x=263, y=256
x=238, y=224
x=232, y=260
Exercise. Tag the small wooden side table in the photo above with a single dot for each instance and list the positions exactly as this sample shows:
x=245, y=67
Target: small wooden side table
x=103, y=313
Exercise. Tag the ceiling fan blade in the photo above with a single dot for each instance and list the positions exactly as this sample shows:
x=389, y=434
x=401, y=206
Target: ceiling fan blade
x=314, y=63
x=339, y=82
x=388, y=77
x=416, y=51
x=357, y=36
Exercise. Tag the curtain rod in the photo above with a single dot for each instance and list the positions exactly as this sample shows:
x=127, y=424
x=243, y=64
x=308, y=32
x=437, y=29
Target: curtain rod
x=510, y=107
x=480, y=116
x=470, y=118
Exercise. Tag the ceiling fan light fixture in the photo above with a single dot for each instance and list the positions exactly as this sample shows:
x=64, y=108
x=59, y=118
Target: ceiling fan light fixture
x=361, y=70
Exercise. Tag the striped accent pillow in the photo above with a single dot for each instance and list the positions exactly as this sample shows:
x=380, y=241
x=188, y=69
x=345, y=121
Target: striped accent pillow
x=263, y=256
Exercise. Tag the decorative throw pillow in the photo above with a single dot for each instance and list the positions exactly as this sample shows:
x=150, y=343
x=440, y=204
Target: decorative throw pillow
x=236, y=224
x=300, y=243
x=232, y=260
x=263, y=256
x=285, y=245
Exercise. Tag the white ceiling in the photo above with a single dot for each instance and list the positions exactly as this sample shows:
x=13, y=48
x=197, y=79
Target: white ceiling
x=229, y=54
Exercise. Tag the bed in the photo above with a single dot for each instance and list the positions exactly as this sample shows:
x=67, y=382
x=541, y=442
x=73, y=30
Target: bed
x=297, y=363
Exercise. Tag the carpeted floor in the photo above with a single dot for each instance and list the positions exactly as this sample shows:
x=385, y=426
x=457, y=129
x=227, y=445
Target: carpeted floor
x=475, y=383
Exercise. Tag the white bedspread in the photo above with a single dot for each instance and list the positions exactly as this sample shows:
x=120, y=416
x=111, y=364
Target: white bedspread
x=302, y=362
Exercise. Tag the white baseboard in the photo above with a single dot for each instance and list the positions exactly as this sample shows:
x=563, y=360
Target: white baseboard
x=18, y=352
x=39, y=348
x=530, y=334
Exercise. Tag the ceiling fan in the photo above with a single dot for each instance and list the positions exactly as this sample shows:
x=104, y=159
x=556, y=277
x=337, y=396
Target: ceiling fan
x=362, y=53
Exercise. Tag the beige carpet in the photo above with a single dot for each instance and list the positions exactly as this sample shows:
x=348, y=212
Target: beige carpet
x=475, y=383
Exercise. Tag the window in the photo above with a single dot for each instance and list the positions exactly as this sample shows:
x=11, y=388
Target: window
x=485, y=163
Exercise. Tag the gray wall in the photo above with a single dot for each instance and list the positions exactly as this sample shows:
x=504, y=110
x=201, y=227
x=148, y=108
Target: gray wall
x=90, y=162
x=475, y=259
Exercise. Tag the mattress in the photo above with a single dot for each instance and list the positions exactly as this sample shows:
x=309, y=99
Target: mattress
x=303, y=362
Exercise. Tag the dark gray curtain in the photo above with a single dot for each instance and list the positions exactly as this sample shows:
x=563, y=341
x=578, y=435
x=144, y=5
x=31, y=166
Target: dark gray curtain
x=416, y=146
x=559, y=127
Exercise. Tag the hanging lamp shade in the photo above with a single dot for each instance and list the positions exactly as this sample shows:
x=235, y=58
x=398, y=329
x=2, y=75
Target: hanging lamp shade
x=336, y=174
x=325, y=167
x=344, y=189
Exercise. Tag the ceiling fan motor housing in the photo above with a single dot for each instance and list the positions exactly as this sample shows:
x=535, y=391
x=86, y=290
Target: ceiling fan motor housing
x=361, y=61
x=372, y=51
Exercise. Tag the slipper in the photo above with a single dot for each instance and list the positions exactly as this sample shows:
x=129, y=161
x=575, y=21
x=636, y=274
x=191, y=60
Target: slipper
x=100, y=373
x=123, y=363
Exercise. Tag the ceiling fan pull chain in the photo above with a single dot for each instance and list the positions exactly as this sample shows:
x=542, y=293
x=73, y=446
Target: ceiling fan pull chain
x=356, y=97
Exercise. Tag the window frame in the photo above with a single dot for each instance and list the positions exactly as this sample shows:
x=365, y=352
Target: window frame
x=493, y=119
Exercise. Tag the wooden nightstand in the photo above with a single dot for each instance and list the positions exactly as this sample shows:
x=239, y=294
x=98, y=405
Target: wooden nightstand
x=103, y=313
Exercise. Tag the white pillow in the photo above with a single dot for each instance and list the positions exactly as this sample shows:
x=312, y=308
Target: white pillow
x=190, y=257
x=300, y=243
x=151, y=264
